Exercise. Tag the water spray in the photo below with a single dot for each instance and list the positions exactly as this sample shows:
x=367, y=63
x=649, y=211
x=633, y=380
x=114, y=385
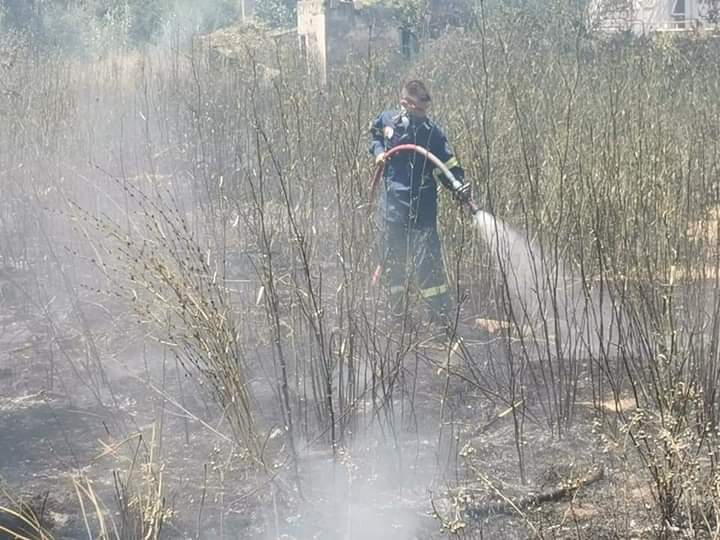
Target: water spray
x=510, y=246
x=538, y=289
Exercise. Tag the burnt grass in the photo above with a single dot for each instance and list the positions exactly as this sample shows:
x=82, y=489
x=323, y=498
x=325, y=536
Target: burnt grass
x=63, y=415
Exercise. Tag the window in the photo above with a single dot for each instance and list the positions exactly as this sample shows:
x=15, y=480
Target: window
x=679, y=14
x=679, y=8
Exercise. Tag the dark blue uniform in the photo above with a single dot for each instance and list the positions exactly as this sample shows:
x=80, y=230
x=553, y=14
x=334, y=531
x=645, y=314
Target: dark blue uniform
x=410, y=247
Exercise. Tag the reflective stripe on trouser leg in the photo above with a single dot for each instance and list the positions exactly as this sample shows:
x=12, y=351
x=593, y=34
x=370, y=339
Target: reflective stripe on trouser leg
x=431, y=292
x=438, y=300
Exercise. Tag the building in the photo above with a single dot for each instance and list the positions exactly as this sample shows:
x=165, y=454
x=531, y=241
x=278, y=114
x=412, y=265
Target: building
x=332, y=31
x=648, y=16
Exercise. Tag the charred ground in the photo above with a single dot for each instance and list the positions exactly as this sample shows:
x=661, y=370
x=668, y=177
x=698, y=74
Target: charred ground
x=191, y=346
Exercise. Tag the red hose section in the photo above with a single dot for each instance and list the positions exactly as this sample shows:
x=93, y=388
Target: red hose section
x=375, y=280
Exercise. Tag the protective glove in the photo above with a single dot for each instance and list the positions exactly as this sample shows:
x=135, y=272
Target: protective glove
x=464, y=193
x=380, y=158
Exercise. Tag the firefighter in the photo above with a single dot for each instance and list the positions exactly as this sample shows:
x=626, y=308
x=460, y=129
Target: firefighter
x=409, y=244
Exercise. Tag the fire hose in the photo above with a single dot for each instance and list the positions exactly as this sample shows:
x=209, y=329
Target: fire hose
x=455, y=184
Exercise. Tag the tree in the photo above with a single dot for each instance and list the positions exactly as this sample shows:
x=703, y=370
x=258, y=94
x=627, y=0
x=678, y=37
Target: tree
x=21, y=15
x=277, y=13
x=711, y=11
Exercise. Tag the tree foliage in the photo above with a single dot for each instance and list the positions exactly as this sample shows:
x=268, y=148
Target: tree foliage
x=422, y=17
x=79, y=25
x=409, y=14
x=277, y=13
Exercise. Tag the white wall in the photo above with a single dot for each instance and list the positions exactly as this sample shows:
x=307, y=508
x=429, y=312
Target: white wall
x=312, y=33
x=645, y=16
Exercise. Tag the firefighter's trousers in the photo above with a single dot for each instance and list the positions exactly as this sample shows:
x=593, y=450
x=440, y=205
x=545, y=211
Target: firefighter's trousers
x=412, y=258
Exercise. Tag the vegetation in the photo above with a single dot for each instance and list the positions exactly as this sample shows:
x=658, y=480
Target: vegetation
x=277, y=13
x=85, y=26
x=214, y=212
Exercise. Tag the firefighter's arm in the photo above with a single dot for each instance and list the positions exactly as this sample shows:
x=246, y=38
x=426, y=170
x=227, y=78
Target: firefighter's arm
x=445, y=153
x=377, y=140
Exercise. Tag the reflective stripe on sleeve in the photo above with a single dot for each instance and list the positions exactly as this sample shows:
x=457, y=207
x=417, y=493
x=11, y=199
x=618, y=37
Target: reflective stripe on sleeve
x=434, y=291
x=450, y=164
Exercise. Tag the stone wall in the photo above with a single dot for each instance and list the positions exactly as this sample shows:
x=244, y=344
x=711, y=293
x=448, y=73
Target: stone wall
x=331, y=32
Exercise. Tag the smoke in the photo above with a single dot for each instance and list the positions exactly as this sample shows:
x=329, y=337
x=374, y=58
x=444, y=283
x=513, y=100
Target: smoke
x=545, y=296
x=366, y=492
x=100, y=26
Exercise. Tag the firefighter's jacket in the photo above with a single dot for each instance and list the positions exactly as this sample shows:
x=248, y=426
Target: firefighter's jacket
x=409, y=196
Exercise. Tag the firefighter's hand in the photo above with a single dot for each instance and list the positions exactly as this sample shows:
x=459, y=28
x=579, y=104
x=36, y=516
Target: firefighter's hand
x=380, y=158
x=463, y=193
